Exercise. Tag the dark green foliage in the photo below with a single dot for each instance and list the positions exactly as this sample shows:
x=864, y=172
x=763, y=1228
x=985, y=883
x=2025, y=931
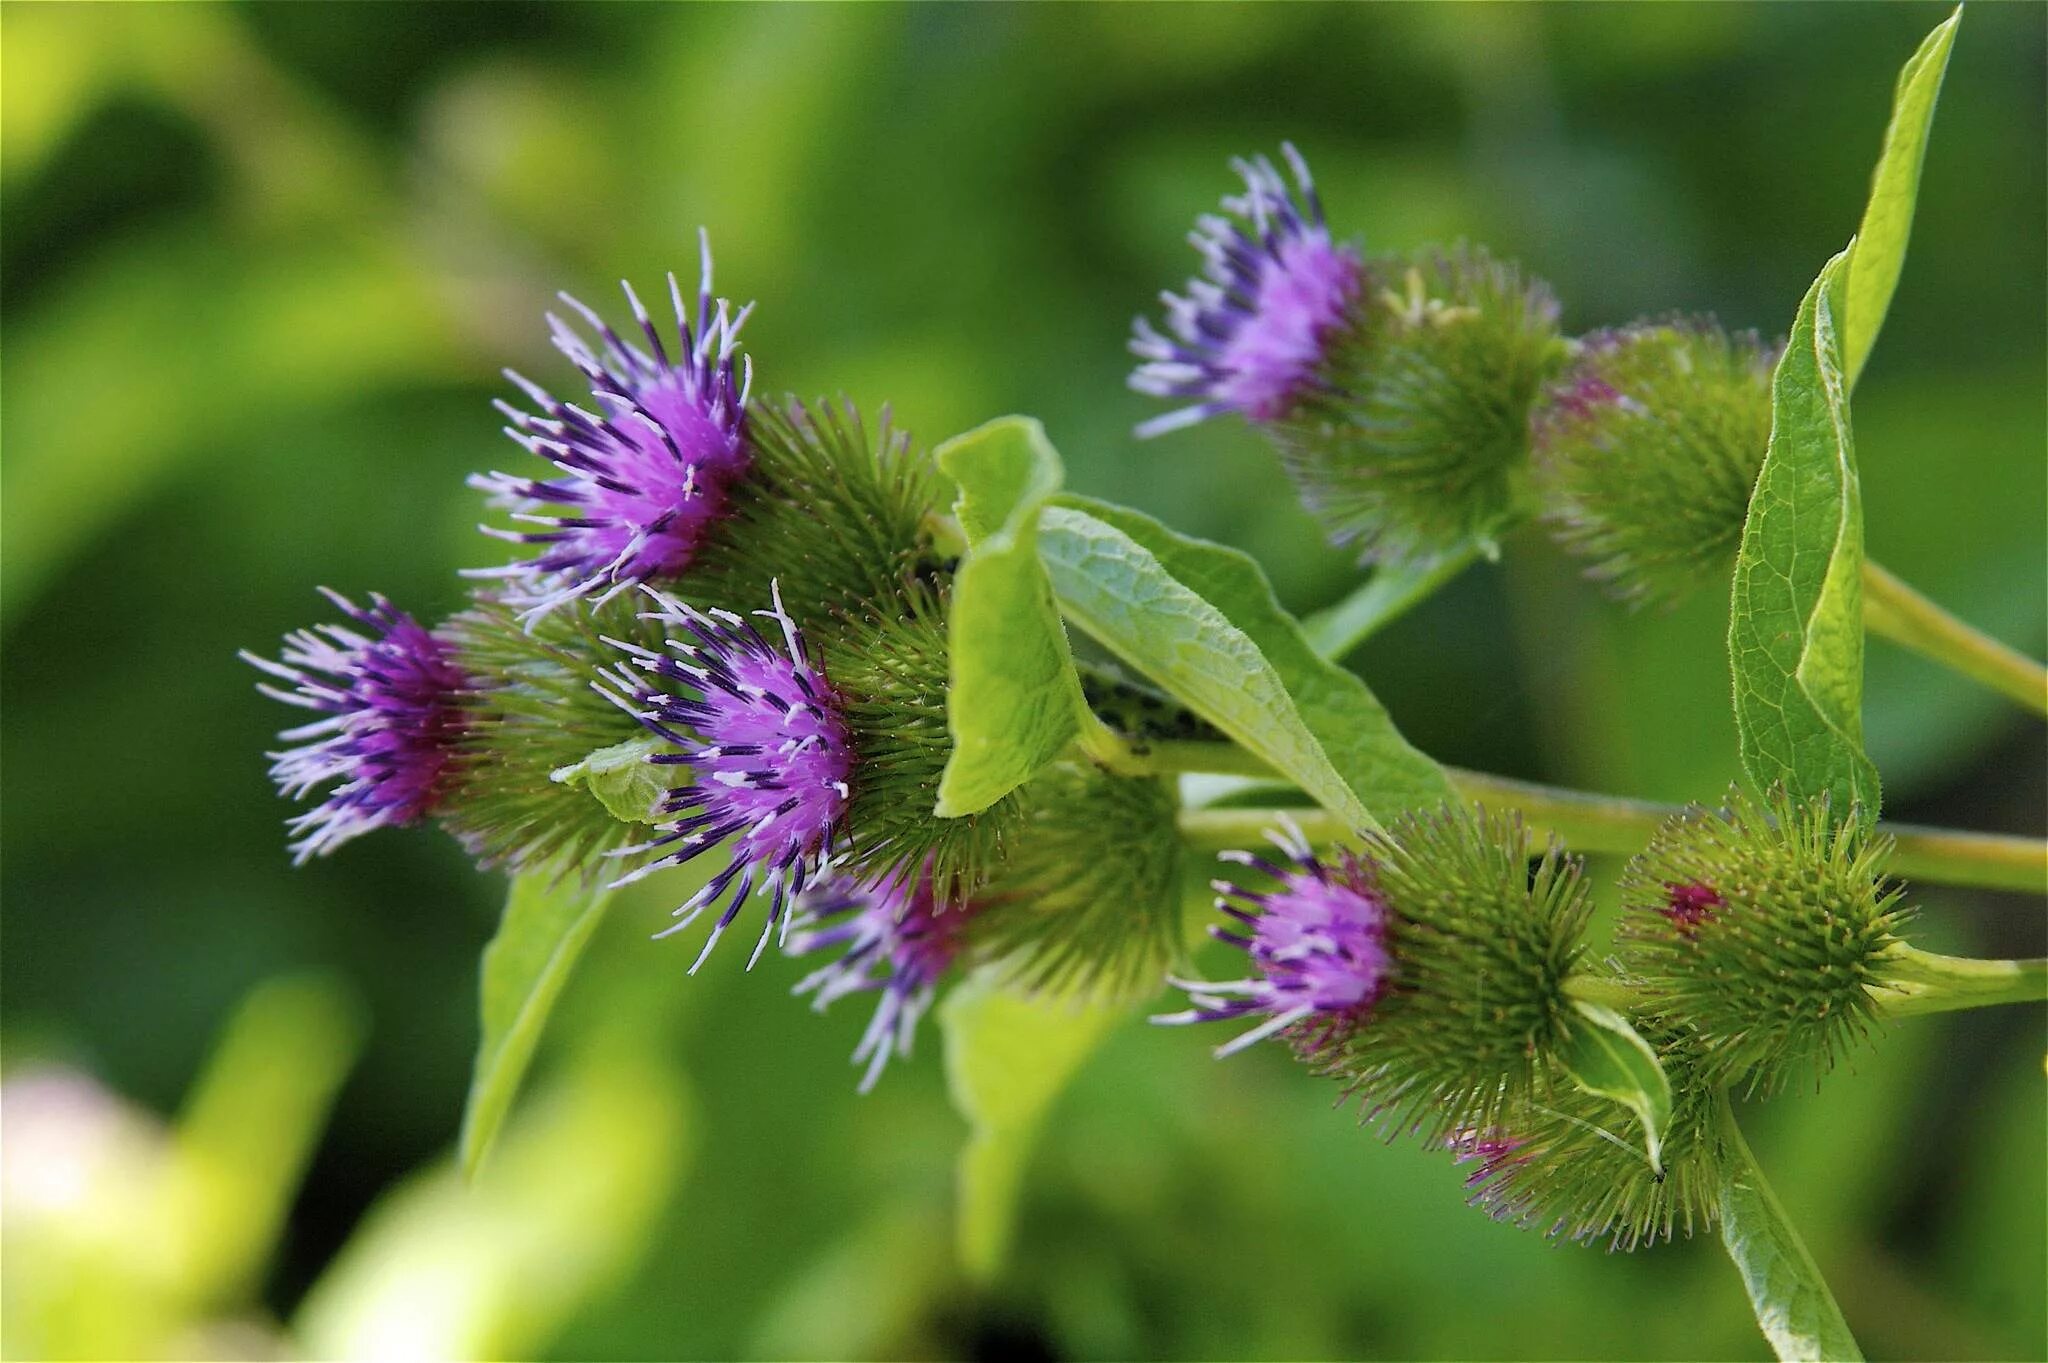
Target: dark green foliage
x=1482, y=943
x=1141, y=713
x=888, y=665
x=1760, y=929
x=833, y=511
x=1417, y=441
x=535, y=713
x=1647, y=450
x=1572, y=1164
x=1089, y=898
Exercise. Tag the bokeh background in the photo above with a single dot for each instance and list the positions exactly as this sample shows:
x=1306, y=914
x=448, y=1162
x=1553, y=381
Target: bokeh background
x=259, y=268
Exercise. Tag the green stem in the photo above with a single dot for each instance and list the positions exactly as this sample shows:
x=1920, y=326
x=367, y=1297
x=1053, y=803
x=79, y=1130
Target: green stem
x=1923, y=982
x=1603, y=989
x=1904, y=616
x=1611, y=823
x=1793, y=1306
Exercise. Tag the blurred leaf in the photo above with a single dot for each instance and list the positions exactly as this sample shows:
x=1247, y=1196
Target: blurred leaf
x=448, y=1268
x=1383, y=598
x=1604, y=1056
x=1880, y=250
x=250, y=1126
x=1793, y=1306
x=1014, y=701
x=1008, y=1056
x=549, y=918
x=1795, y=630
x=234, y=336
x=621, y=778
x=1200, y=621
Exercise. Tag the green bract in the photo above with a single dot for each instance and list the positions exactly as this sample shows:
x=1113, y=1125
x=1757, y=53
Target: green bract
x=536, y=713
x=1647, y=450
x=1760, y=931
x=836, y=513
x=1416, y=441
x=1088, y=901
x=889, y=665
x=1482, y=946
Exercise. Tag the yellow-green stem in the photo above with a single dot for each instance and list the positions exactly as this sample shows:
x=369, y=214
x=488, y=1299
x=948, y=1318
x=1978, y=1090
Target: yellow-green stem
x=1897, y=612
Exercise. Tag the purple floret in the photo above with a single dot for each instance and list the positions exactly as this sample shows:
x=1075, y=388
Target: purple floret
x=1318, y=945
x=392, y=698
x=1252, y=330
x=641, y=478
x=769, y=753
x=896, y=939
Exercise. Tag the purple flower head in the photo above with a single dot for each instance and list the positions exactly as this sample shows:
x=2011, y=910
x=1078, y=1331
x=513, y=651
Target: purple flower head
x=1318, y=943
x=1687, y=905
x=769, y=753
x=1250, y=333
x=896, y=939
x=641, y=478
x=392, y=701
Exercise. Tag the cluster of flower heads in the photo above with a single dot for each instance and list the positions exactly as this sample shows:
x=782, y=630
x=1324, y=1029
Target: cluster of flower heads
x=728, y=632
x=1425, y=403
x=641, y=688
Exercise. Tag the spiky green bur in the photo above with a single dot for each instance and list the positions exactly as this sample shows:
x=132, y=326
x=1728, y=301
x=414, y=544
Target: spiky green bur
x=533, y=714
x=887, y=662
x=1647, y=450
x=1572, y=1164
x=835, y=512
x=1416, y=438
x=1482, y=943
x=1089, y=898
x=1760, y=929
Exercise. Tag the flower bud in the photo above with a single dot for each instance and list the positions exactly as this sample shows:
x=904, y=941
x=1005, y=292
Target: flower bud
x=1088, y=898
x=1647, y=450
x=532, y=715
x=1416, y=438
x=834, y=512
x=1760, y=929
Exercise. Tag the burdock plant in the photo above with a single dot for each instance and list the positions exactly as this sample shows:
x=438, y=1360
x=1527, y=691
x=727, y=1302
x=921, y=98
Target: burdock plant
x=786, y=637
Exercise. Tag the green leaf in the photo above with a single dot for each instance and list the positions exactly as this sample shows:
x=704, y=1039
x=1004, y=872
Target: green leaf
x=1008, y=1056
x=1200, y=621
x=1606, y=1058
x=621, y=778
x=1880, y=250
x=1795, y=632
x=548, y=920
x=1013, y=702
x=493, y=1266
x=1391, y=591
x=1793, y=1306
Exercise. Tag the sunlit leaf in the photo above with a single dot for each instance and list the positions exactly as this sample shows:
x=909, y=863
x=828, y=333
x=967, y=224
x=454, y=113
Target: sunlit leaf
x=1014, y=701
x=1880, y=250
x=1200, y=621
x=548, y=921
x=1795, y=633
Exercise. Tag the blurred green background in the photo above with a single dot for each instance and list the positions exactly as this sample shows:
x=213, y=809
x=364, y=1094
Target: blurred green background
x=259, y=268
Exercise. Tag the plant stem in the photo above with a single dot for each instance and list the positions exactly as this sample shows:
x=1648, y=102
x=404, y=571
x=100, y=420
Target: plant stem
x=1923, y=982
x=1793, y=1306
x=1610, y=823
x=1904, y=616
x=1602, y=989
